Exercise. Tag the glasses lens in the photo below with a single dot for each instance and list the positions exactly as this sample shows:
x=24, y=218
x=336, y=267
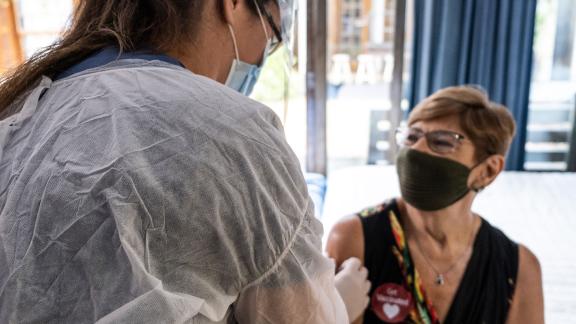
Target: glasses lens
x=407, y=136
x=442, y=142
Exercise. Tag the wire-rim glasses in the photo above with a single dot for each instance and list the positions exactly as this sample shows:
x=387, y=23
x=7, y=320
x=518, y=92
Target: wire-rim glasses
x=439, y=141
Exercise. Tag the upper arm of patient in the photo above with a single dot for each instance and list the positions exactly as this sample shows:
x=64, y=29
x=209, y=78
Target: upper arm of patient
x=528, y=302
x=346, y=240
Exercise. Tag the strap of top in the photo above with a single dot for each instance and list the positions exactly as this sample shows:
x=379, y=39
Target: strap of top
x=488, y=284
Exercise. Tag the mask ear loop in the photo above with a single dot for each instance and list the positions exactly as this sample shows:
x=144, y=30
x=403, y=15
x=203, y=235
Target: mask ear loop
x=234, y=41
x=262, y=20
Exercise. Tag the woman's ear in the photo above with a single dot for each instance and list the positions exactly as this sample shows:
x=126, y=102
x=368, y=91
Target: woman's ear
x=493, y=165
x=237, y=13
x=229, y=9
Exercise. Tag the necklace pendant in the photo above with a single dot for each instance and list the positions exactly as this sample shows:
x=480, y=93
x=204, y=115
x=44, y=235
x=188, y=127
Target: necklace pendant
x=439, y=279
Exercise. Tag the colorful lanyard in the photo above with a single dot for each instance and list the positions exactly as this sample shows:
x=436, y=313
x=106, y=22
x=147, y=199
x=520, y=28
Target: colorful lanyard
x=423, y=312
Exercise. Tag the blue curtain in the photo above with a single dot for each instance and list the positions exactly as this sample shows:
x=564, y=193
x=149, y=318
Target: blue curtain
x=484, y=42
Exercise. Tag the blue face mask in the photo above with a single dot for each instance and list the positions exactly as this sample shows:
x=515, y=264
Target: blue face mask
x=244, y=76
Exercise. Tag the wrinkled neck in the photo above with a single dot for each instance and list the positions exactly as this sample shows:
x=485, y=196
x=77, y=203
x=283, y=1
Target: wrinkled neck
x=446, y=228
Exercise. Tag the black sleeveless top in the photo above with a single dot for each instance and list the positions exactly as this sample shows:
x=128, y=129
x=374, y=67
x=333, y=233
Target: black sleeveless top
x=486, y=289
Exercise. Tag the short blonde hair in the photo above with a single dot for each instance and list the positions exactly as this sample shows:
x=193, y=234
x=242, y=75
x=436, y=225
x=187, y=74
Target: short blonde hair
x=489, y=125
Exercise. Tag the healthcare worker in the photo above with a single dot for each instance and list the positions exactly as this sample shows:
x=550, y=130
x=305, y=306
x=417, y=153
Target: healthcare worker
x=135, y=187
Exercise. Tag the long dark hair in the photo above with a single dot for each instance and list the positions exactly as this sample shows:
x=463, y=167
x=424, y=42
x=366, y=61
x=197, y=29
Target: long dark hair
x=128, y=24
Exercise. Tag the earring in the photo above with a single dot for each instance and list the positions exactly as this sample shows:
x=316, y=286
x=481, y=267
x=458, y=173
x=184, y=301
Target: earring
x=478, y=189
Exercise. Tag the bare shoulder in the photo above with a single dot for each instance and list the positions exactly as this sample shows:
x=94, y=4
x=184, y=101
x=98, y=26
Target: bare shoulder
x=529, y=265
x=529, y=278
x=528, y=303
x=346, y=240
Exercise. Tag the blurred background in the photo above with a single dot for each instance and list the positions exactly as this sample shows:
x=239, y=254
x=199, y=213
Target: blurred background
x=359, y=71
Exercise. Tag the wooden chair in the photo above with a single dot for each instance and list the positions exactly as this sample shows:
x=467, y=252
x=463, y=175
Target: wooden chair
x=11, y=53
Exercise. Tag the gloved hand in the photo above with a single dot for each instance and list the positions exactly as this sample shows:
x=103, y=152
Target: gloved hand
x=353, y=287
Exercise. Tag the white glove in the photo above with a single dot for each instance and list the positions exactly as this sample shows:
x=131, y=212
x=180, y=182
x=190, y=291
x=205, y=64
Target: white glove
x=353, y=287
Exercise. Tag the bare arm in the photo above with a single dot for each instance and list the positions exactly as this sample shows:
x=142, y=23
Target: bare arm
x=346, y=240
x=528, y=303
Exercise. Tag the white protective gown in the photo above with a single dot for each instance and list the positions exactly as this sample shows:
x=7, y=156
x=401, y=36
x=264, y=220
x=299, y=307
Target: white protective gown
x=139, y=192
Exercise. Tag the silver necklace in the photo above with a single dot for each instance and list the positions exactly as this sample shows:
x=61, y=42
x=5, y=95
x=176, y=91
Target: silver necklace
x=440, y=276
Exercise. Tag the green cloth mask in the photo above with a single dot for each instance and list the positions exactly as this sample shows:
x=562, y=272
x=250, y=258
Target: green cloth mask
x=428, y=182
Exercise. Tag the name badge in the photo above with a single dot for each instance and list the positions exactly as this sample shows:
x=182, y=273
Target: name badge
x=391, y=303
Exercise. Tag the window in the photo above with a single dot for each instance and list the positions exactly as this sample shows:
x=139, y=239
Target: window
x=42, y=22
x=552, y=98
x=28, y=26
x=359, y=77
x=360, y=59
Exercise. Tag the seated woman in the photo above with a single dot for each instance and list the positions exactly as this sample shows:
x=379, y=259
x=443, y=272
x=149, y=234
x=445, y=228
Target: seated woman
x=430, y=258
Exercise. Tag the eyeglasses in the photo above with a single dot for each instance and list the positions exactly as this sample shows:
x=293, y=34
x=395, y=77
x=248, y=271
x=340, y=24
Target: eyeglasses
x=277, y=39
x=439, y=141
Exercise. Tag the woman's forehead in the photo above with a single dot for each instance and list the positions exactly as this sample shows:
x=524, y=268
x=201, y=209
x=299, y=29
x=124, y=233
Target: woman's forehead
x=450, y=123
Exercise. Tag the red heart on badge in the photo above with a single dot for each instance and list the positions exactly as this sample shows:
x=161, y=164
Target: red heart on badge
x=390, y=310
